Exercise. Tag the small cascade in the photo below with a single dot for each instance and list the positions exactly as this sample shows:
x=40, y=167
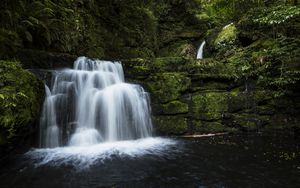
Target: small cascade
x=48, y=120
x=91, y=104
x=200, y=50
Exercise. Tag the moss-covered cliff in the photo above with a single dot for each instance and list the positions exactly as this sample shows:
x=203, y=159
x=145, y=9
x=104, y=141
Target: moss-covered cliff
x=249, y=79
x=208, y=96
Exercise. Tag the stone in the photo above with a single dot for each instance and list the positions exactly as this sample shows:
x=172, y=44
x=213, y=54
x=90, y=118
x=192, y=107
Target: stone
x=211, y=127
x=209, y=105
x=171, y=125
x=246, y=122
x=166, y=87
x=175, y=107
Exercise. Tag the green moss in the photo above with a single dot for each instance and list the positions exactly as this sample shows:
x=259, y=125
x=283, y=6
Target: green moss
x=202, y=126
x=170, y=64
x=211, y=127
x=211, y=69
x=171, y=124
x=239, y=100
x=227, y=36
x=209, y=105
x=246, y=122
x=263, y=43
x=238, y=57
x=20, y=99
x=266, y=109
x=165, y=87
x=210, y=86
x=178, y=49
x=139, y=70
x=263, y=96
x=175, y=107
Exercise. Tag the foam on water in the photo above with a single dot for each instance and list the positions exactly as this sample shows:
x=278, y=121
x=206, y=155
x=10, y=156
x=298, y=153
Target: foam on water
x=83, y=157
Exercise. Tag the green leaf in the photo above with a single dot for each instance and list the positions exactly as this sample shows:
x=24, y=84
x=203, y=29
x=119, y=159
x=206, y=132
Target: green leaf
x=28, y=36
x=2, y=96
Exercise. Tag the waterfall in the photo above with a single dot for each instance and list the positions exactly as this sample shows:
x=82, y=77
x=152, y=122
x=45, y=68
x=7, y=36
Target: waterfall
x=91, y=104
x=200, y=51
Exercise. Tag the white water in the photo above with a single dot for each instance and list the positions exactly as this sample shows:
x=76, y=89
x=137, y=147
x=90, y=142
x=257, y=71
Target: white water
x=83, y=157
x=200, y=50
x=91, y=104
x=90, y=114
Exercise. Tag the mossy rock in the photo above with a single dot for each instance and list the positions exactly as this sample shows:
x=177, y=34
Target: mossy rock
x=138, y=72
x=263, y=96
x=178, y=49
x=21, y=96
x=246, y=122
x=239, y=100
x=266, y=109
x=226, y=37
x=171, y=125
x=170, y=64
x=175, y=107
x=166, y=87
x=204, y=85
x=210, y=69
x=137, y=68
x=209, y=105
x=211, y=127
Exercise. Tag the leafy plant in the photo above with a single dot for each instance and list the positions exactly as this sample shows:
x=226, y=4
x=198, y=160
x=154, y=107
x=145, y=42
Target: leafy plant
x=277, y=17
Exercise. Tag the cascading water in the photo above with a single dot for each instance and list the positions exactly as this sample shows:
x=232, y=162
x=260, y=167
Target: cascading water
x=91, y=114
x=91, y=104
x=200, y=50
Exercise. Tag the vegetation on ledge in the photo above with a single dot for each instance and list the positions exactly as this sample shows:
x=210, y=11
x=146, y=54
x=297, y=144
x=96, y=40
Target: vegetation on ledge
x=21, y=96
x=248, y=80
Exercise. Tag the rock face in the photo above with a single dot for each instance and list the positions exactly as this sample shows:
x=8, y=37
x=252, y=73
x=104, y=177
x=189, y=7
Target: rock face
x=21, y=96
x=190, y=96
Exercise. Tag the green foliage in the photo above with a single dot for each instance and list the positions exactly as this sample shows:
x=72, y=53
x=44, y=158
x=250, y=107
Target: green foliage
x=266, y=45
x=227, y=36
x=40, y=24
x=277, y=15
x=20, y=97
x=210, y=68
x=274, y=62
x=284, y=72
x=220, y=11
x=9, y=42
x=282, y=20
